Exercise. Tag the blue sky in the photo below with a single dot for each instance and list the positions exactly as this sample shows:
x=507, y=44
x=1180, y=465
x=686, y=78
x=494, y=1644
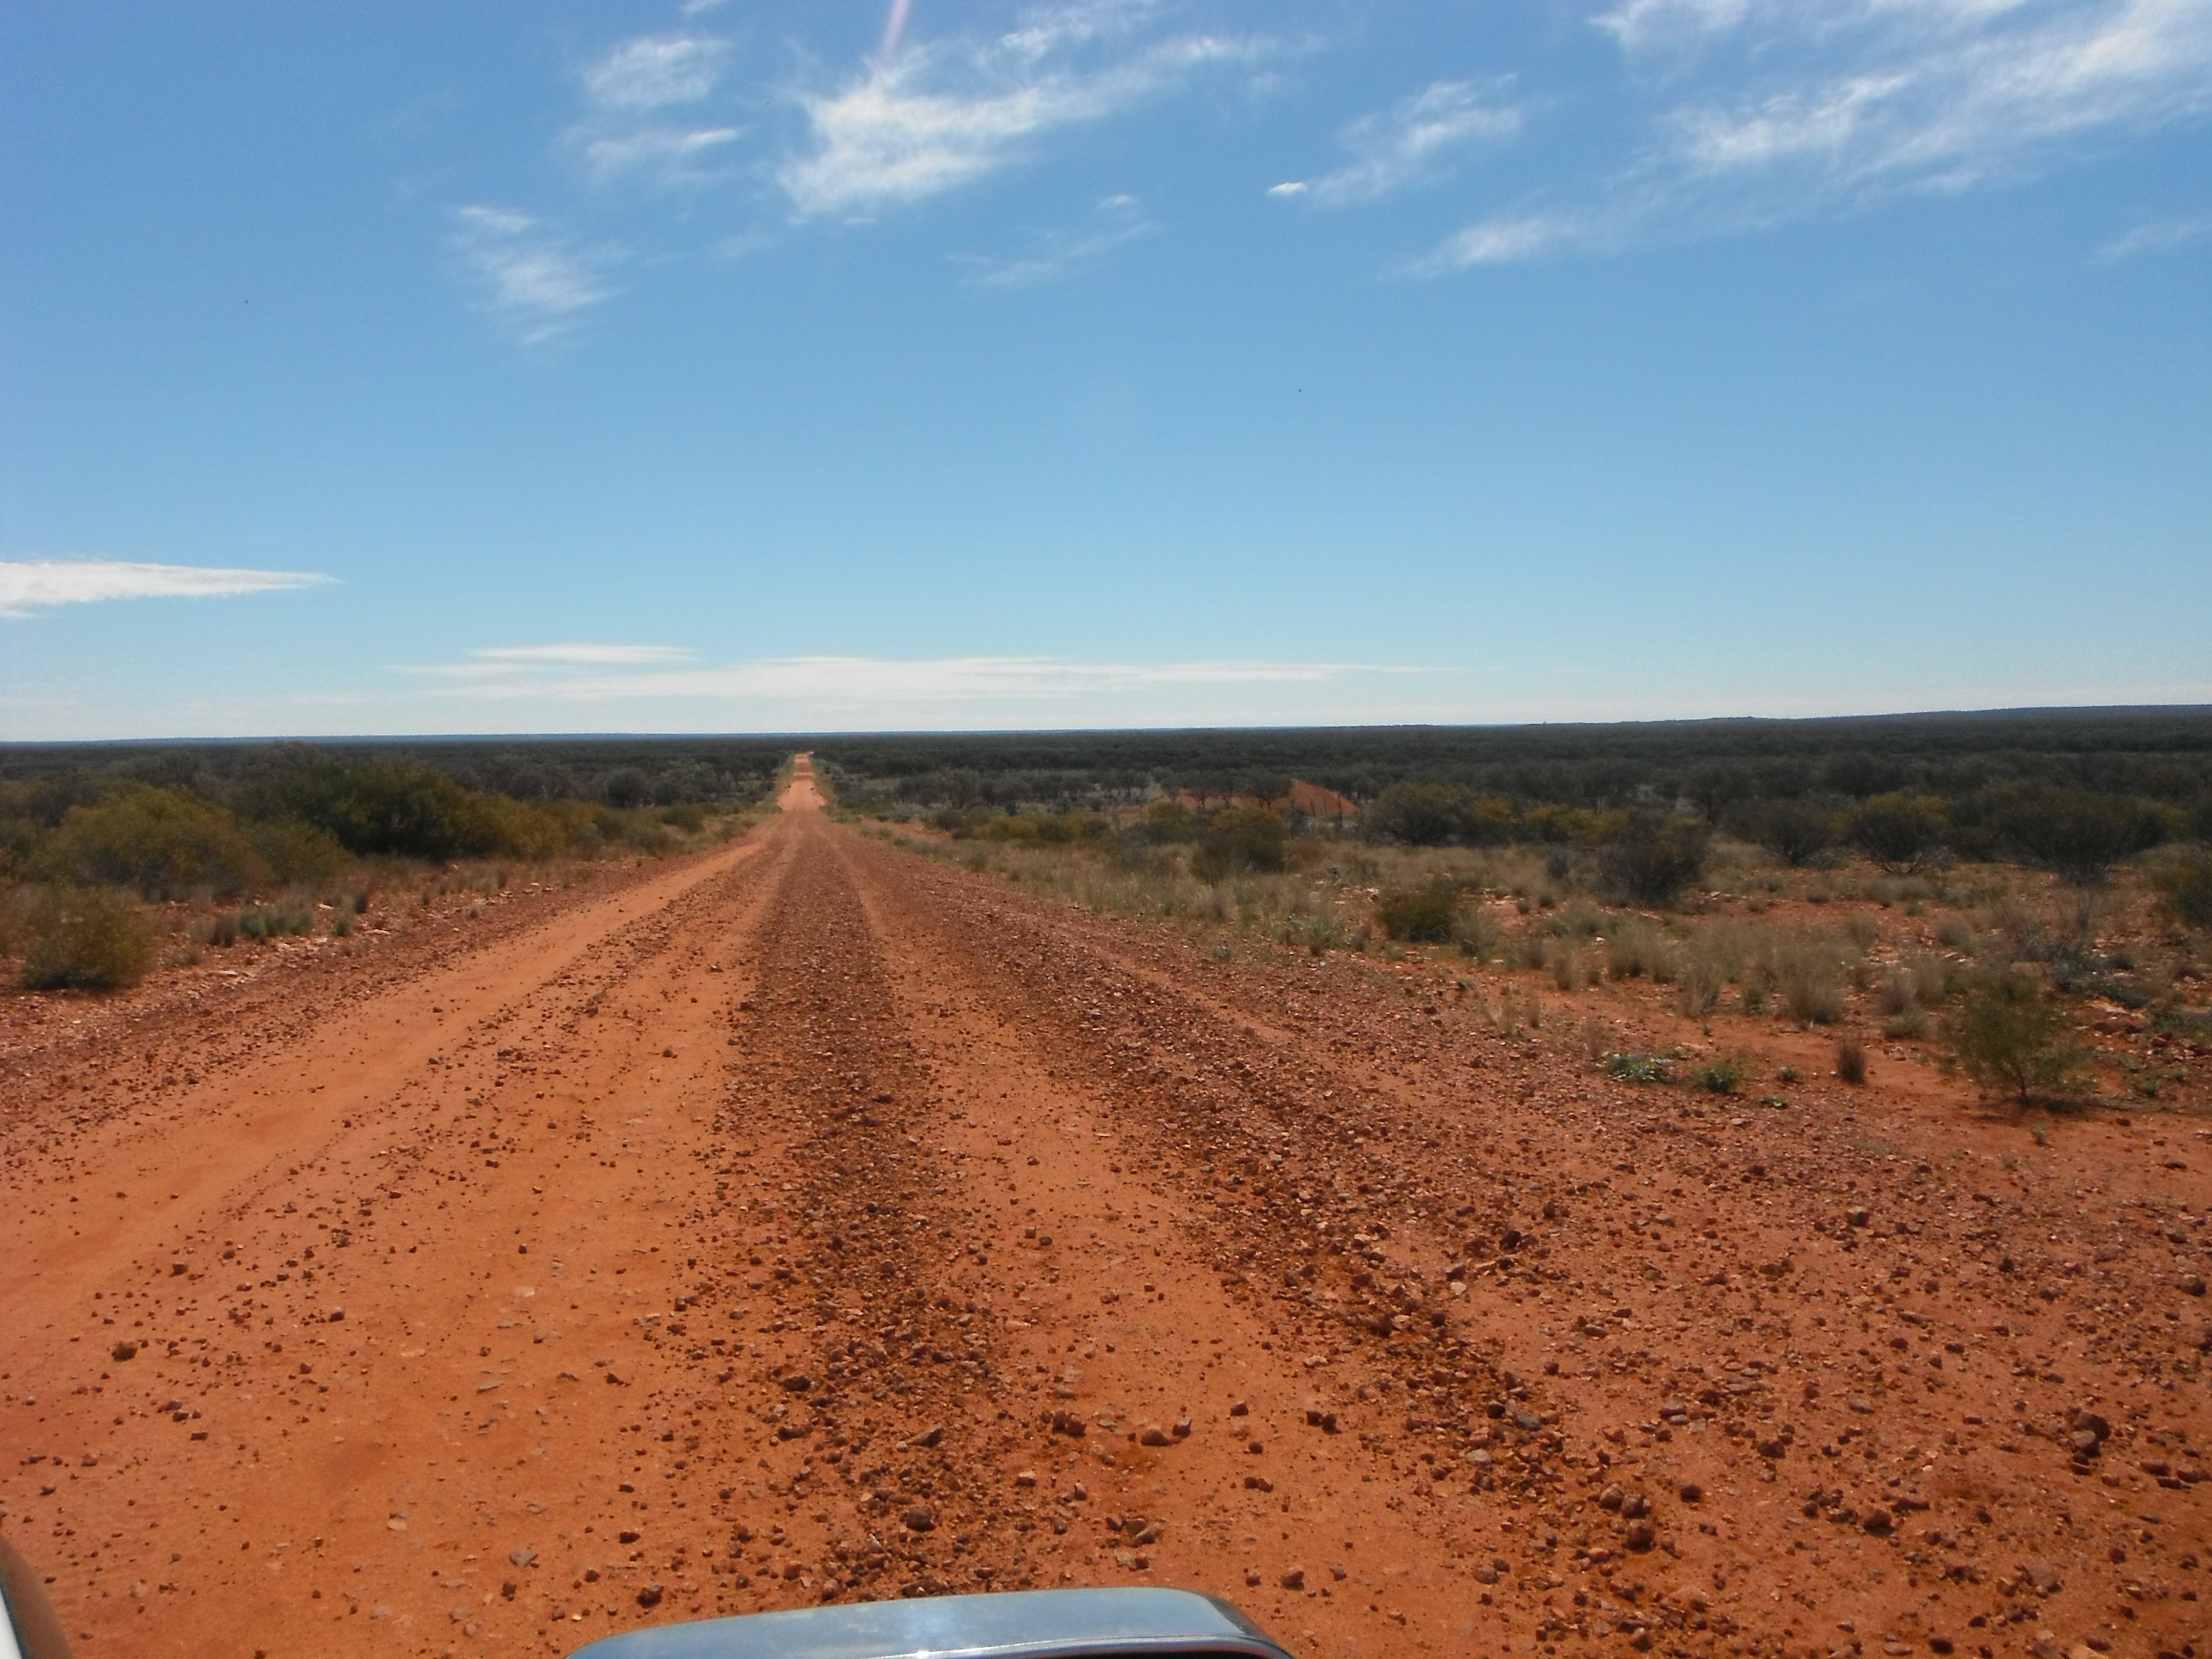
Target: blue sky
x=547, y=366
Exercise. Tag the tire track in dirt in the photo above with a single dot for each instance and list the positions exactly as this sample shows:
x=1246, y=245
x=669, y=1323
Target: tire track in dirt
x=337, y=1446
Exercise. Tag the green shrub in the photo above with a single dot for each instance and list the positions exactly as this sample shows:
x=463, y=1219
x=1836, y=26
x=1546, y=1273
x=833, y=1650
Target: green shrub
x=266, y=922
x=1719, y=1077
x=1899, y=832
x=1794, y=831
x=1417, y=814
x=2079, y=834
x=79, y=937
x=2008, y=1034
x=2187, y=885
x=1241, y=841
x=1639, y=1068
x=1649, y=858
x=297, y=851
x=162, y=843
x=1421, y=915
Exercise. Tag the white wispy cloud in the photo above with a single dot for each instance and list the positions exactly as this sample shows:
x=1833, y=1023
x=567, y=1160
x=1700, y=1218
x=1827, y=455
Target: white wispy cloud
x=655, y=71
x=932, y=117
x=2160, y=236
x=668, y=155
x=883, y=682
x=532, y=279
x=577, y=652
x=1408, y=143
x=1508, y=238
x=1116, y=222
x=633, y=129
x=28, y=586
x=1783, y=109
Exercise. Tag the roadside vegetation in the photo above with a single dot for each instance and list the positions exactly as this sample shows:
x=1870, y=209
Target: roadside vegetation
x=114, y=863
x=2047, y=943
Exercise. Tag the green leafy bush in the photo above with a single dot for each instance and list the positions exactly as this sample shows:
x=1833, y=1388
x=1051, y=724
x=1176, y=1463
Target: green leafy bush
x=79, y=937
x=161, y=842
x=2009, y=1034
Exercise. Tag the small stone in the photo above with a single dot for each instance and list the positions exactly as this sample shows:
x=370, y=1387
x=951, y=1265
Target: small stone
x=1026, y=1477
x=1295, y=1579
x=123, y=1351
x=930, y=1436
x=920, y=1518
x=2192, y=1284
x=649, y=1596
x=1692, y=1492
x=1640, y=1536
x=1153, y=1435
x=522, y=1557
x=796, y=1383
x=1880, y=1523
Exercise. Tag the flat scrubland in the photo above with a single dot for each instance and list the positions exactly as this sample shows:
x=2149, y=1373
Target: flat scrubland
x=1419, y=1245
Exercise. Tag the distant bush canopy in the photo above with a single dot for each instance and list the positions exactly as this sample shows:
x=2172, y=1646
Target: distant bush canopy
x=398, y=808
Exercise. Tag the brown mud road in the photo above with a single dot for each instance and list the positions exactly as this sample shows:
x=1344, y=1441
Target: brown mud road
x=808, y=1221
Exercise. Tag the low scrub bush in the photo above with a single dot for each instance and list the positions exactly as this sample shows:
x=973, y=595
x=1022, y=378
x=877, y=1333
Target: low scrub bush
x=1650, y=858
x=2009, y=1035
x=1639, y=1068
x=2187, y=885
x=1705, y=974
x=162, y=843
x=1241, y=841
x=1899, y=832
x=1718, y=1077
x=1637, y=950
x=1426, y=915
x=1809, y=978
x=2078, y=835
x=79, y=937
x=1794, y=831
x=265, y=922
x=1850, y=1061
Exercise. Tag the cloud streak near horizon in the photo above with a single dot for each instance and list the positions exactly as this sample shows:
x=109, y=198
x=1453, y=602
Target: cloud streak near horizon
x=541, y=672
x=30, y=586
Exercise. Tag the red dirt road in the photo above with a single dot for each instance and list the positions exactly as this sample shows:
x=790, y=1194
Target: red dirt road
x=808, y=1221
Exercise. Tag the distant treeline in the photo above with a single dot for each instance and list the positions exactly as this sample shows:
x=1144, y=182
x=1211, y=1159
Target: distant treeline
x=2157, y=754
x=174, y=820
x=2072, y=790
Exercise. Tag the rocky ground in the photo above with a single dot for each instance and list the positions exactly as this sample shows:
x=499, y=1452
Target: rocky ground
x=807, y=1221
